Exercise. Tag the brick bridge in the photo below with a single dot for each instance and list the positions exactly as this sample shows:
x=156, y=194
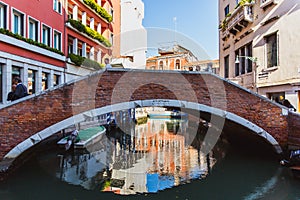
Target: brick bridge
x=28, y=121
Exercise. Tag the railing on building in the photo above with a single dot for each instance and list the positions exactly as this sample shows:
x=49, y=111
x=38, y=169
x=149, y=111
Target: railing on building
x=264, y=3
x=240, y=18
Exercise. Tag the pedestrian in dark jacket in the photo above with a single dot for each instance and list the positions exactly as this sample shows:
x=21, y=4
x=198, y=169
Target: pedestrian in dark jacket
x=21, y=89
x=11, y=95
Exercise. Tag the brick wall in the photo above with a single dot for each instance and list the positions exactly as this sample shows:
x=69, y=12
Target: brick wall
x=20, y=121
x=293, y=130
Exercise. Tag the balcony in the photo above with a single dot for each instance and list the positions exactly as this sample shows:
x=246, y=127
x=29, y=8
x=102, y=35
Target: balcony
x=240, y=18
x=266, y=3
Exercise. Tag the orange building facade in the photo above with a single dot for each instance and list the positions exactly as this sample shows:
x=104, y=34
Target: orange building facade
x=174, y=58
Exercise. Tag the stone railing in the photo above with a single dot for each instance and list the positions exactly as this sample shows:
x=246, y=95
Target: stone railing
x=264, y=3
x=241, y=13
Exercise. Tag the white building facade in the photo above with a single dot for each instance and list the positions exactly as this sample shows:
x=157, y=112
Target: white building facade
x=133, y=37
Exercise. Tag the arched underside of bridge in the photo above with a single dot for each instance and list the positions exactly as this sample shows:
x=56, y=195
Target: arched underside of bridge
x=217, y=116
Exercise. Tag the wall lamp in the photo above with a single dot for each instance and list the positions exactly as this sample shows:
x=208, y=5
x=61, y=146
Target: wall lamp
x=237, y=60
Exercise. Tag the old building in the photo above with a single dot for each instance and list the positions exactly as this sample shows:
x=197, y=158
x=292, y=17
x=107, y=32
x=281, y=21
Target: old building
x=31, y=45
x=175, y=57
x=49, y=42
x=89, y=35
x=204, y=66
x=259, y=46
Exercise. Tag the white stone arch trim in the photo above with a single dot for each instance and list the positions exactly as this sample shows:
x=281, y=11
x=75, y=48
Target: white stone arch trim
x=51, y=130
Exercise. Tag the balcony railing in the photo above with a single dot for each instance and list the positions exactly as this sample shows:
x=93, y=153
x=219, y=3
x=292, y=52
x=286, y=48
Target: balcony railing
x=240, y=18
x=265, y=3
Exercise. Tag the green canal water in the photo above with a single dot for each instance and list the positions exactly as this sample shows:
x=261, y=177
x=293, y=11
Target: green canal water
x=154, y=161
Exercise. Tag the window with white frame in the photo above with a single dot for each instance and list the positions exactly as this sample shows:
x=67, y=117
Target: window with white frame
x=57, y=6
x=244, y=65
x=46, y=35
x=3, y=16
x=57, y=40
x=272, y=50
x=33, y=29
x=18, y=23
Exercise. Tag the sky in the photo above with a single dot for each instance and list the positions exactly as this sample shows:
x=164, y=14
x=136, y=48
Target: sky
x=195, y=19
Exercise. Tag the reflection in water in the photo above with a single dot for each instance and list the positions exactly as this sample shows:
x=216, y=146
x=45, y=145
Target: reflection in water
x=150, y=157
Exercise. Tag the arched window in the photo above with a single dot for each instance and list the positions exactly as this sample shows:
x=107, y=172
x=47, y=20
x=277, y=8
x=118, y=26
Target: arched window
x=177, y=64
x=161, y=65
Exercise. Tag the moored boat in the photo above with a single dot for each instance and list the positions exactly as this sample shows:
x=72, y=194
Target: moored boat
x=82, y=138
x=293, y=163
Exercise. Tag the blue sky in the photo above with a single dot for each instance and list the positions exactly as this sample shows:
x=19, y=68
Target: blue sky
x=196, y=19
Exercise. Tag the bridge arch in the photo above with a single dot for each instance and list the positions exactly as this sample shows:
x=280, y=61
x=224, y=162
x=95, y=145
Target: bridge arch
x=221, y=114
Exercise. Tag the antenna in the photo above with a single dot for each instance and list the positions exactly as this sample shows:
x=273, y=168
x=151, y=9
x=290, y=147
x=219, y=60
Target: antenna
x=175, y=29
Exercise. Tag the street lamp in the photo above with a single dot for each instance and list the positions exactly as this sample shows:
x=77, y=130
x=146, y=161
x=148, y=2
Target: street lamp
x=254, y=60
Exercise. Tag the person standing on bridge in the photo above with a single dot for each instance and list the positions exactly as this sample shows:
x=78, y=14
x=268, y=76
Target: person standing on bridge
x=11, y=95
x=21, y=89
x=287, y=104
x=107, y=65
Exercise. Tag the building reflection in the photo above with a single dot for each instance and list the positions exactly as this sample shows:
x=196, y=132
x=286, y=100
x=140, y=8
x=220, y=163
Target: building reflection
x=143, y=158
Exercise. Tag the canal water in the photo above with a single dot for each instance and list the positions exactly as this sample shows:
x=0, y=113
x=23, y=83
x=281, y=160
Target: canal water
x=152, y=160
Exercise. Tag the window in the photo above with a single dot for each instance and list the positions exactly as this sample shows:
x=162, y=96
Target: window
x=57, y=6
x=226, y=10
x=45, y=77
x=226, y=67
x=18, y=23
x=275, y=96
x=31, y=81
x=70, y=44
x=56, y=80
x=112, y=12
x=272, y=51
x=242, y=60
x=99, y=28
x=244, y=65
x=237, y=65
x=3, y=16
x=177, y=64
x=249, y=53
x=16, y=72
x=57, y=40
x=46, y=35
x=161, y=65
x=111, y=38
x=33, y=29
